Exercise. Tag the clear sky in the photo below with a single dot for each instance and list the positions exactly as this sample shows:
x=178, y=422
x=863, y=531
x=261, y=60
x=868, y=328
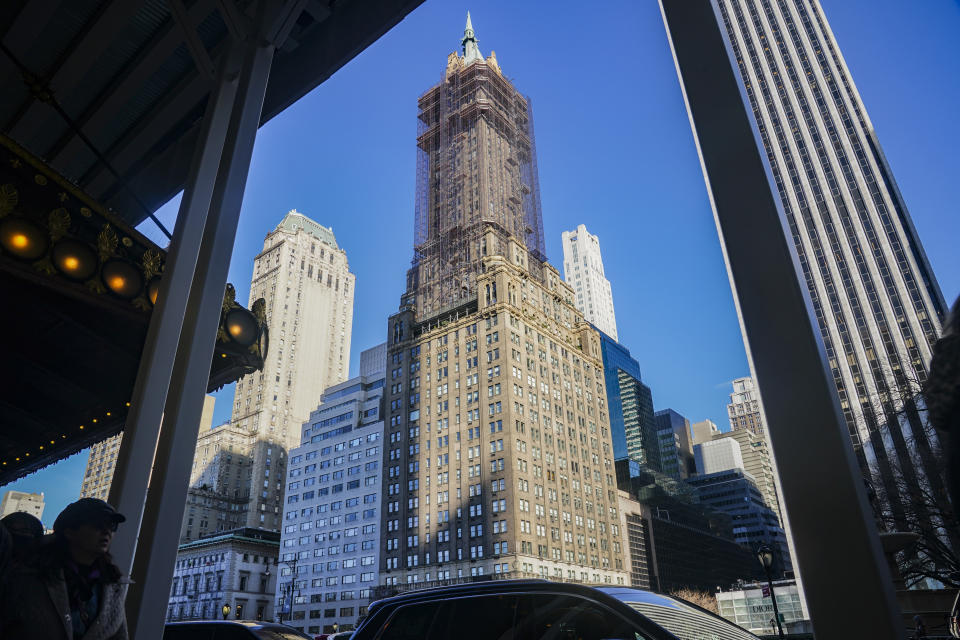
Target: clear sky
x=615, y=152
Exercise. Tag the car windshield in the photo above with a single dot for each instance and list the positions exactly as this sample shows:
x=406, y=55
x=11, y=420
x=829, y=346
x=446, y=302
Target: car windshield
x=525, y=616
x=679, y=618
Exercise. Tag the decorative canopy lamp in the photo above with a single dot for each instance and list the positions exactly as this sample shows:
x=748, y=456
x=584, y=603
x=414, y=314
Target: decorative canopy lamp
x=122, y=278
x=225, y=610
x=75, y=260
x=242, y=326
x=22, y=239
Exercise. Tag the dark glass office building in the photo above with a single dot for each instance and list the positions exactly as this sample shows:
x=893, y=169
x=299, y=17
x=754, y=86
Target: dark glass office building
x=630, y=402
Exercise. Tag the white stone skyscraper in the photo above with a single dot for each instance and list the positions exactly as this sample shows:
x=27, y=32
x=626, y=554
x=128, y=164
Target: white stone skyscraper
x=306, y=282
x=583, y=270
x=874, y=294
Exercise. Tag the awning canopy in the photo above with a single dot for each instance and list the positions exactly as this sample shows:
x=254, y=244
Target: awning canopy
x=134, y=77
x=78, y=286
x=102, y=101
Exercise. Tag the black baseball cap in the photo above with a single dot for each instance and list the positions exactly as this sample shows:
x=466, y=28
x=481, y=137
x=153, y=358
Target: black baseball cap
x=86, y=511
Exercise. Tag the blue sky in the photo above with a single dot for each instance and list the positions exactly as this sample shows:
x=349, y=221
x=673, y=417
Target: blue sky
x=615, y=152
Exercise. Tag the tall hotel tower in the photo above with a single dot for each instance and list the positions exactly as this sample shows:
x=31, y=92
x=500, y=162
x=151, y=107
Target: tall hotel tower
x=305, y=279
x=583, y=270
x=498, y=451
x=874, y=294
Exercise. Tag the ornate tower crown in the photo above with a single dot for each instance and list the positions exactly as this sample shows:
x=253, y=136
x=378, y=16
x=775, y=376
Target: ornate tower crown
x=471, y=51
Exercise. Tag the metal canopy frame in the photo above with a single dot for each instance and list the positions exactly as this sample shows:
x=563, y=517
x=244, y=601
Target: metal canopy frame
x=126, y=71
x=822, y=489
x=154, y=462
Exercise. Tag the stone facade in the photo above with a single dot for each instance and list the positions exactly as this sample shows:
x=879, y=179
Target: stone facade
x=500, y=455
x=235, y=568
x=303, y=276
x=744, y=407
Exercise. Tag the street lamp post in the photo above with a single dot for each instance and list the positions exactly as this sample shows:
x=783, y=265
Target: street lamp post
x=225, y=609
x=288, y=590
x=765, y=555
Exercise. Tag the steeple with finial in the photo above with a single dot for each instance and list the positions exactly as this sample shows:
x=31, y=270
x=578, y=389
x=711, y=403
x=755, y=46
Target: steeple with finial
x=471, y=51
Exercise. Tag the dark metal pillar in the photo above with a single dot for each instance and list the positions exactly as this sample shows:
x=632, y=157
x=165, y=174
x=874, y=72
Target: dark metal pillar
x=135, y=458
x=163, y=512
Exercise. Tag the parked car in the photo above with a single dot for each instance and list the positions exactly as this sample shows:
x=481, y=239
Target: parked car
x=541, y=610
x=954, y=621
x=231, y=630
x=343, y=635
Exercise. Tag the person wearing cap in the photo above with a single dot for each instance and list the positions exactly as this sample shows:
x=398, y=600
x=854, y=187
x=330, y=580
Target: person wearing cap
x=26, y=531
x=72, y=590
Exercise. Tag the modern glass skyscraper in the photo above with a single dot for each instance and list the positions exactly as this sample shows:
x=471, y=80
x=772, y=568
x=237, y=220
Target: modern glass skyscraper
x=676, y=452
x=632, y=424
x=874, y=294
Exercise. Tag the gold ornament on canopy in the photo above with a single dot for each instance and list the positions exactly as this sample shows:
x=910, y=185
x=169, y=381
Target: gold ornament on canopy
x=9, y=197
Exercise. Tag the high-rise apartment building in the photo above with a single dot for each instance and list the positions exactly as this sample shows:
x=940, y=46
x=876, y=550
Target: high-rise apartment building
x=583, y=270
x=630, y=403
x=703, y=431
x=756, y=461
x=303, y=276
x=499, y=457
x=676, y=452
x=744, y=407
x=101, y=462
x=102, y=459
x=718, y=455
x=874, y=294
x=220, y=480
x=666, y=549
x=724, y=483
x=14, y=501
x=734, y=491
x=306, y=282
x=331, y=542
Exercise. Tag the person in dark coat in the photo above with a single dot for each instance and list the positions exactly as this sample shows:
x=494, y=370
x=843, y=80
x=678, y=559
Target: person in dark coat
x=26, y=530
x=71, y=590
x=6, y=552
x=942, y=395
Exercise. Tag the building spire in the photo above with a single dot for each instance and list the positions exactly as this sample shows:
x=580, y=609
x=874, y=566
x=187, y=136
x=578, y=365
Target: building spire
x=470, y=50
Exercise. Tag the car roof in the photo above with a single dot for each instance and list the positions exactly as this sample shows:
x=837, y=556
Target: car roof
x=249, y=624
x=511, y=586
x=626, y=594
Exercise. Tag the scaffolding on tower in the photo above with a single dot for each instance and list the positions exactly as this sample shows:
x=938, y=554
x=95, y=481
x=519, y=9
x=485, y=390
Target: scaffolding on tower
x=476, y=173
